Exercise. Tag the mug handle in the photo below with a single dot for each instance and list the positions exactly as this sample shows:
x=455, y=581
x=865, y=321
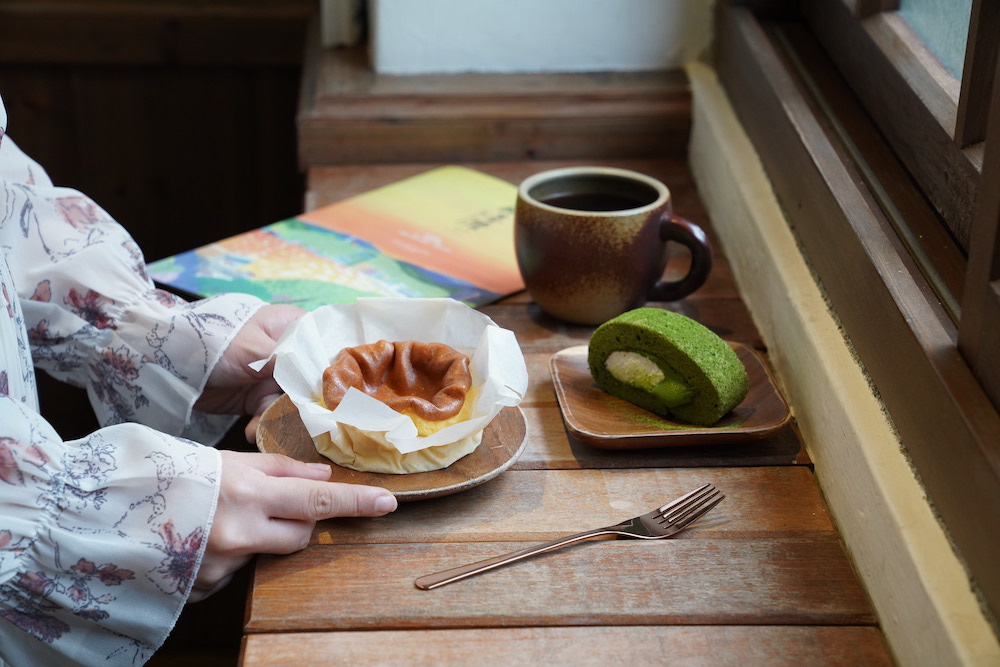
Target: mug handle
x=694, y=238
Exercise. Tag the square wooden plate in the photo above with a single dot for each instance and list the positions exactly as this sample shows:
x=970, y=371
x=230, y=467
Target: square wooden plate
x=597, y=418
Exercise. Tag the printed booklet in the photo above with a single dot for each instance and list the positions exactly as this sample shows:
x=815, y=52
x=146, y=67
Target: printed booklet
x=448, y=232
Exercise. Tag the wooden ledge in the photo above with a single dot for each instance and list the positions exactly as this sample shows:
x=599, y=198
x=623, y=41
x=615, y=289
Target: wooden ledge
x=350, y=114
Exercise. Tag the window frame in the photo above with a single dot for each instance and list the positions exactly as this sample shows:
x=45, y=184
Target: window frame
x=846, y=185
x=908, y=94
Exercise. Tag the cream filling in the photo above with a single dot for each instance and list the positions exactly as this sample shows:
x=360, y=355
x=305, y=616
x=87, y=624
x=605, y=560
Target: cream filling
x=634, y=369
x=643, y=373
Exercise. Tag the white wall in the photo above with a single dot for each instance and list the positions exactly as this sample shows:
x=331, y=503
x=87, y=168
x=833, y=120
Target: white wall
x=439, y=36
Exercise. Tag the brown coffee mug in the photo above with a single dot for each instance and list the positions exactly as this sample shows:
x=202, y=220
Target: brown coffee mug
x=591, y=242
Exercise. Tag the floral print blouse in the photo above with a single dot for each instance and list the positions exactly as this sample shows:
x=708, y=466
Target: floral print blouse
x=101, y=537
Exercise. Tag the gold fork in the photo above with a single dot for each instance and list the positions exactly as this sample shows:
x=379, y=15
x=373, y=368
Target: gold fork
x=662, y=522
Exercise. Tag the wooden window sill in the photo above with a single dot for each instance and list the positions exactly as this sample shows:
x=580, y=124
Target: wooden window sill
x=863, y=444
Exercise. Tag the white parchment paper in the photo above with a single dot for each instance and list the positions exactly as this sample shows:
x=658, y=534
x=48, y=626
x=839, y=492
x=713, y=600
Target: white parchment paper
x=391, y=443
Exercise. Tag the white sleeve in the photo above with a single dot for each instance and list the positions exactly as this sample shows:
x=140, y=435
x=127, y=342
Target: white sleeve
x=95, y=318
x=100, y=539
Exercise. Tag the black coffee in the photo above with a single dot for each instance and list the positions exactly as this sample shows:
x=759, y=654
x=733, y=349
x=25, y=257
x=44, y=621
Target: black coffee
x=596, y=201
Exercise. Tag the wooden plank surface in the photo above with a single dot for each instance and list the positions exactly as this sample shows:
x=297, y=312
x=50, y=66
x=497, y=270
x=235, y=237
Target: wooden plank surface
x=551, y=447
x=763, y=579
x=537, y=505
x=767, y=555
x=539, y=332
x=638, y=646
x=785, y=581
x=329, y=184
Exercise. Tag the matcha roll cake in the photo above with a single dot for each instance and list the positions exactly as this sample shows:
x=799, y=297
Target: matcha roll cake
x=668, y=364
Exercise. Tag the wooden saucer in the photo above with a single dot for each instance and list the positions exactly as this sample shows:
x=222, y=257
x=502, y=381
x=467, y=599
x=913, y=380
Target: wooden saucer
x=281, y=431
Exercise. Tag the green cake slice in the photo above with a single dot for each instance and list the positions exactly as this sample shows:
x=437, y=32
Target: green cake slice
x=668, y=364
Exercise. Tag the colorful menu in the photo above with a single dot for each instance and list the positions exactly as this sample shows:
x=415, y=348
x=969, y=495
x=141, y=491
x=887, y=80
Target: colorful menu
x=448, y=232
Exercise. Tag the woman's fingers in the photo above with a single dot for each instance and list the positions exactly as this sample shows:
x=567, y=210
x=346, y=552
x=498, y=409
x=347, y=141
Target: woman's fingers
x=274, y=465
x=308, y=500
x=272, y=487
x=269, y=503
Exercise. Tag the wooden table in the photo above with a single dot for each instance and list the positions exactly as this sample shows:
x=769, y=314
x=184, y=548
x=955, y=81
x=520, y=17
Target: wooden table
x=763, y=579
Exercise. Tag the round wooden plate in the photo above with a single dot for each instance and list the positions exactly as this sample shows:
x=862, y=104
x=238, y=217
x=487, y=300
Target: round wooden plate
x=282, y=432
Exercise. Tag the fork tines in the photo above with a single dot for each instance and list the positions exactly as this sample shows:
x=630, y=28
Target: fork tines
x=690, y=506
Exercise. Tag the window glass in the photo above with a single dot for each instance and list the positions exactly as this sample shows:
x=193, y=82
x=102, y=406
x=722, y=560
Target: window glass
x=943, y=25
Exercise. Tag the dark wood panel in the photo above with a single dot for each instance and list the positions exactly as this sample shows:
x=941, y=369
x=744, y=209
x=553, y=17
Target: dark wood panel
x=180, y=156
x=638, y=646
x=177, y=31
x=177, y=116
x=543, y=136
x=904, y=205
x=980, y=323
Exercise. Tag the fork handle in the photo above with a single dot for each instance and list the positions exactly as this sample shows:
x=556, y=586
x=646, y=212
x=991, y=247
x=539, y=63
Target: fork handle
x=429, y=581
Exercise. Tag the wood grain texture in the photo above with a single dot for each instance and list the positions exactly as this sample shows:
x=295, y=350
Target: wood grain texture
x=350, y=114
x=785, y=581
x=537, y=331
x=774, y=502
x=551, y=447
x=639, y=646
x=330, y=184
x=977, y=336
x=716, y=304
x=164, y=147
x=906, y=208
x=757, y=558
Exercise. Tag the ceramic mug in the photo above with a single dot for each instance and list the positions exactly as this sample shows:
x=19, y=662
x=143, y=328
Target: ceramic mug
x=591, y=242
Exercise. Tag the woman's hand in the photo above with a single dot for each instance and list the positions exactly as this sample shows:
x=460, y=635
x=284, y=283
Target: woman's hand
x=269, y=503
x=235, y=388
